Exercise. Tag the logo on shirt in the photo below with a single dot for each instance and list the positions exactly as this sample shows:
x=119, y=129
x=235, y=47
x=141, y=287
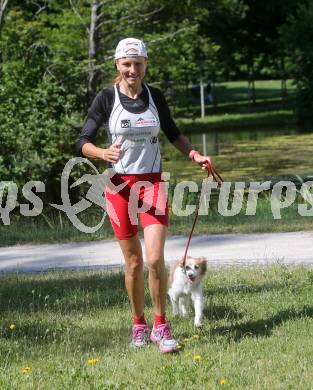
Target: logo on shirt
x=153, y=140
x=125, y=123
x=146, y=122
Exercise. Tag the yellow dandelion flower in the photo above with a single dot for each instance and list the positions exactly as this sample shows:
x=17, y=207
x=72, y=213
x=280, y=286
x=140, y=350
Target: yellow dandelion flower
x=195, y=337
x=25, y=370
x=12, y=326
x=197, y=358
x=92, y=361
x=222, y=381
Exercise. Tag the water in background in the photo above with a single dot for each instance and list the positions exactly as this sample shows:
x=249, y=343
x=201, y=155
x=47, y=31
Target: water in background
x=246, y=155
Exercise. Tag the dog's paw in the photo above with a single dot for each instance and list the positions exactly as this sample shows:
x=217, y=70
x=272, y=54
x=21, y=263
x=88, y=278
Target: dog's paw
x=198, y=324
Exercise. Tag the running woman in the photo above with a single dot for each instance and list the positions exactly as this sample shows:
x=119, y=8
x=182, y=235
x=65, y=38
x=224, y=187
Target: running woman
x=133, y=114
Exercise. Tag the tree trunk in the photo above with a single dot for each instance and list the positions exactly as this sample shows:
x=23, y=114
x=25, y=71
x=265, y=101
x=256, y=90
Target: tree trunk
x=284, y=92
x=202, y=102
x=214, y=94
x=251, y=85
x=253, y=89
x=3, y=5
x=93, y=51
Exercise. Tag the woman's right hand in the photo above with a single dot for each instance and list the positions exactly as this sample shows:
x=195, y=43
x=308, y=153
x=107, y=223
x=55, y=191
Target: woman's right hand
x=112, y=154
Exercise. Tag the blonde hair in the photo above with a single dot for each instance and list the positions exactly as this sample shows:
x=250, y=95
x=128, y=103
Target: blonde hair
x=117, y=79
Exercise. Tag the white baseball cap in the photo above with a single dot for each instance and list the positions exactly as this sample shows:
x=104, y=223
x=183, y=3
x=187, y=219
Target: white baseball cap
x=130, y=47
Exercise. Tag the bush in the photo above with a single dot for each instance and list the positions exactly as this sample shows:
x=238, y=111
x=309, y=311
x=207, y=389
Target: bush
x=297, y=37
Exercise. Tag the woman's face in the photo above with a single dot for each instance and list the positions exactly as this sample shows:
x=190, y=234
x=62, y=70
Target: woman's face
x=132, y=69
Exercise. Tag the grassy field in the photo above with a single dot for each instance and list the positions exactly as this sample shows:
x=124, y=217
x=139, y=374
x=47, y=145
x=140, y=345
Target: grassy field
x=260, y=156
x=235, y=121
x=239, y=91
x=234, y=96
x=65, y=330
x=48, y=228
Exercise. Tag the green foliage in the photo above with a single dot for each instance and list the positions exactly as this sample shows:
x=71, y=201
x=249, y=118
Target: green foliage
x=44, y=64
x=297, y=38
x=44, y=68
x=37, y=113
x=37, y=135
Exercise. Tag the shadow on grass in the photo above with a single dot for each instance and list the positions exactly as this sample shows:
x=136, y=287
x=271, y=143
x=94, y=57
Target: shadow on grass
x=64, y=333
x=62, y=292
x=262, y=327
x=245, y=289
x=217, y=312
x=58, y=308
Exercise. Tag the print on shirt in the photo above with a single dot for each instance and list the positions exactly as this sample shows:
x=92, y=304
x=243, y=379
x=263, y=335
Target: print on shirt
x=125, y=123
x=146, y=122
x=137, y=134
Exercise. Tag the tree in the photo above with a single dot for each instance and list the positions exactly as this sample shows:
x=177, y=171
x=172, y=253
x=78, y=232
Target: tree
x=36, y=112
x=46, y=66
x=56, y=55
x=3, y=6
x=297, y=38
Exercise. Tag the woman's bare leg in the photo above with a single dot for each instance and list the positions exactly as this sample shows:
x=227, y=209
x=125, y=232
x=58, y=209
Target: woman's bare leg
x=134, y=280
x=154, y=236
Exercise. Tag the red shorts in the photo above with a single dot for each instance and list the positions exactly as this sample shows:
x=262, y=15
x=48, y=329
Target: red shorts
x=129, y=195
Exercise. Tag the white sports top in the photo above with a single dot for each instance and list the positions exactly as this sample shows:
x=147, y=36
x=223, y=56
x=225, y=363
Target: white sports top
x=138, y=136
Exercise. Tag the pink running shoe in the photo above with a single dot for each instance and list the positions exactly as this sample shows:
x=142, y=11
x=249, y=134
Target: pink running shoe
x=163, y=337
x=140, y=336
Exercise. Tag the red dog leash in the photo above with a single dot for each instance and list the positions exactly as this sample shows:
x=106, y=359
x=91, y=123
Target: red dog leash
x=216, y=177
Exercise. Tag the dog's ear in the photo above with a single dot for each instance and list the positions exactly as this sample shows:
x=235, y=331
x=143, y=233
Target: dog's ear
x=181, y=261
x=203, y=264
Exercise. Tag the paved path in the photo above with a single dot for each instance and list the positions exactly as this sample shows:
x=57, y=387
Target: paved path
x=220, y=249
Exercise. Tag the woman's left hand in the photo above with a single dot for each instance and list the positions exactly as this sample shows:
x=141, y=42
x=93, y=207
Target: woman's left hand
x=203, y=161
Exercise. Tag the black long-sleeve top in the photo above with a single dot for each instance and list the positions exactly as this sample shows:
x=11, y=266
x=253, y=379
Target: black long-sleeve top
x=101, y=108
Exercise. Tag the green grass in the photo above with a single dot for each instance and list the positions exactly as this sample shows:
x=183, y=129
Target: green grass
x=262, y=222
x=49, y=230
x=238, y=121
x=235, y=96
x=257, y=333
x=238, y=91
x=246, y=157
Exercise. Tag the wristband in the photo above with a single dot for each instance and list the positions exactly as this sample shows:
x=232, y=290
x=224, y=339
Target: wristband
x=192, y=154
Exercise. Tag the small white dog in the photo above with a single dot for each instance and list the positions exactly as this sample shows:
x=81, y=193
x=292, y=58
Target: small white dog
x=186, y=288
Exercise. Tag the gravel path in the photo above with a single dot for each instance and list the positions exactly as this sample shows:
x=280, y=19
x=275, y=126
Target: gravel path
x=221, y=250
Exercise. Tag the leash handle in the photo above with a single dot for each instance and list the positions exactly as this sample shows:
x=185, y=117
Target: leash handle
x=216, y=177
x=211, y=170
